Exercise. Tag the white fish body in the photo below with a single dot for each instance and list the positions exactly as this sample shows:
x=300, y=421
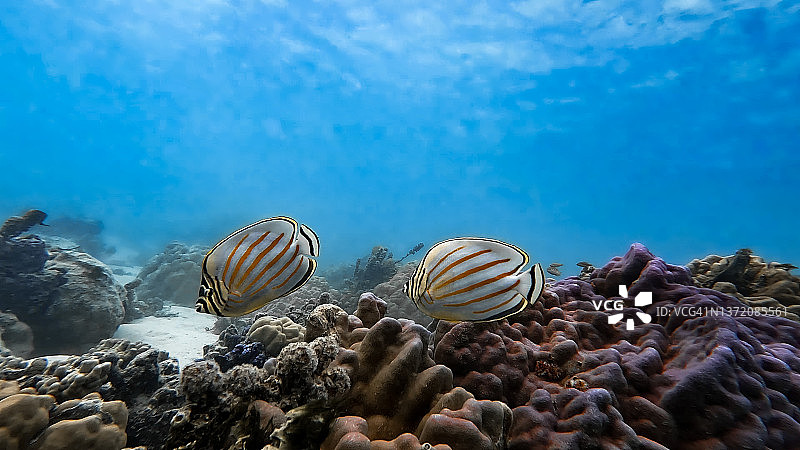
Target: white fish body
x=474, y=279
x=255, y=265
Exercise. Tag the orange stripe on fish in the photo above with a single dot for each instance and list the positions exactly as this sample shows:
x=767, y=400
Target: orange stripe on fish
x=244, y=257
x=501, y=304
x=280, y=271
x=443, y=258
x=299, y=263
x=269, y=266
x=457, y=262
x=479, y=284
x=474, y=270
x=258, y=259
x=228, y=262
x=484, y=297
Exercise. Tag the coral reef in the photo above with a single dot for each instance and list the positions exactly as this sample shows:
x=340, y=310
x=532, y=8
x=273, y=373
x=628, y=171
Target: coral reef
x=705, y=372
x=224, y=409
x=457, y=421
x=28, y=420
x=144, y=378
x=302, y=374
x=264, y=338
x=694, y=368
x=232, y=349
x=368, y=272
x=172, y=276
x=750, y=279
x=299, y=304
x=370, y=309
x=394, y=380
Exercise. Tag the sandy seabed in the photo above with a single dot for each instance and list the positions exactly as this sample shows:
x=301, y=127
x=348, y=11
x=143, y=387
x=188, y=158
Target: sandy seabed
x=183, y=335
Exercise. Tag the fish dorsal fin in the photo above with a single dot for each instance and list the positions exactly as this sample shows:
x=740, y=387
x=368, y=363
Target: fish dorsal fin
x=308, y=241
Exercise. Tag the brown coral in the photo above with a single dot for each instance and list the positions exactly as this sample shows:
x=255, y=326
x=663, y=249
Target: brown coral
x=394, y=379
x=22, y=417
x=457, y=421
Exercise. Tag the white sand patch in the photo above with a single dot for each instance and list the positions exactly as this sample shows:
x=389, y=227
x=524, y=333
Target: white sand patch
x=183, y=336
x=124, y=274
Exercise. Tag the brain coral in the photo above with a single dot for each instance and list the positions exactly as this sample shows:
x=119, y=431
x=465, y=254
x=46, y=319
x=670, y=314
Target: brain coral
x=275, y=333
x=705, y=372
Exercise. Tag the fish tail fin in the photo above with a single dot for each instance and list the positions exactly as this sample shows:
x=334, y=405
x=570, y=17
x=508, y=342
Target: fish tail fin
x=531, y=283
x=308, y=240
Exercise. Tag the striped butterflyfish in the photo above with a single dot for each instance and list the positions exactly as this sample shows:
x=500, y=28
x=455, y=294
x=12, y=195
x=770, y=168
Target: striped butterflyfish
x=474, y=279
x=255, y=265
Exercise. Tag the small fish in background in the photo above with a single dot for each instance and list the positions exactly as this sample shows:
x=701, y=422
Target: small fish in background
x=785, y=266
x=553, y=270
x=416, y=248
x=474, y=279
x=556, y=265
x=255, y=265
x=586, y=269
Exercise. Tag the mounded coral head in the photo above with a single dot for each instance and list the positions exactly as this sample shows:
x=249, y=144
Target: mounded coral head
x=275, y=333
x=394, y=380
x=202, y=382
x=303, y=374
x=22, y=417
x=331, y=320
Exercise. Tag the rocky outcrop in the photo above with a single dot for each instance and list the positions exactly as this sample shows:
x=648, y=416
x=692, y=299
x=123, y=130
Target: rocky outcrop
x=69, y=299
x=15, y=336
x=172, y=276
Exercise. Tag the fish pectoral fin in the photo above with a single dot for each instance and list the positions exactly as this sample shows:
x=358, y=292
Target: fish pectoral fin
x=531, y=283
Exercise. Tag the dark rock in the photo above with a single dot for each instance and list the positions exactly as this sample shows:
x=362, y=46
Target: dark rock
x=15, y=335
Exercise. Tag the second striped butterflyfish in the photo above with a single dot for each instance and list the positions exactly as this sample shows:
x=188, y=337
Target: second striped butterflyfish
x=255, y=265
x=474, y=279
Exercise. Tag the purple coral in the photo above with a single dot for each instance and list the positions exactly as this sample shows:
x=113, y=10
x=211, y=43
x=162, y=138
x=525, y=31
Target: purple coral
x=705, y=372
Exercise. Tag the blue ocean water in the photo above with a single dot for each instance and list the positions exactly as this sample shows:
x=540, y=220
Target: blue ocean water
x=569, y=128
